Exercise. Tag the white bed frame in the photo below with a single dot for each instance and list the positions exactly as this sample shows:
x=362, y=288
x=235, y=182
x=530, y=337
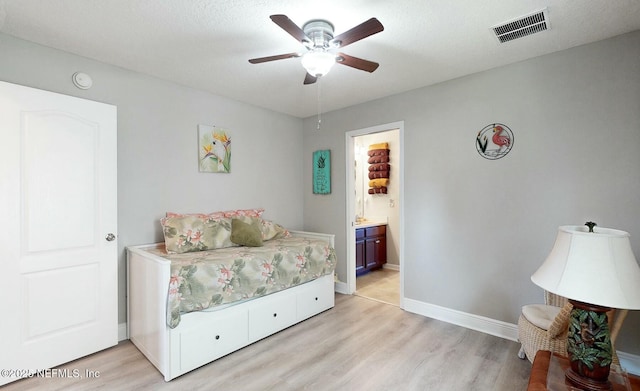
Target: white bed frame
x=202, y=337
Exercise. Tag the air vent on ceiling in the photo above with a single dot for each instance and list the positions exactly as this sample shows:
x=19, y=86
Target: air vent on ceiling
x=522, y=26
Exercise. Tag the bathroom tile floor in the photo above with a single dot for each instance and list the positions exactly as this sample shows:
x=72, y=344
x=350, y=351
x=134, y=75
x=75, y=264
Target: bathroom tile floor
x=381, y=285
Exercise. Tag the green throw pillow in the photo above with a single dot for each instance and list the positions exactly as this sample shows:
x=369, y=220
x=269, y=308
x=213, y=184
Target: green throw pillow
x=245, y=234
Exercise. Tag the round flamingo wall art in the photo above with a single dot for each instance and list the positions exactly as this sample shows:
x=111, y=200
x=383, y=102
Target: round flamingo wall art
x=494, y=141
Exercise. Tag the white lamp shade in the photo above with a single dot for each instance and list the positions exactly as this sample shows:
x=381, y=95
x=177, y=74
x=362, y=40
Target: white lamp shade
x=318, y=63
x=592, y=267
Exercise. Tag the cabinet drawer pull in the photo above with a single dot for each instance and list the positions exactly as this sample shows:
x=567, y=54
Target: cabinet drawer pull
x=377, y=241
x=316, y=299
x=217, y=337
x=275, y=314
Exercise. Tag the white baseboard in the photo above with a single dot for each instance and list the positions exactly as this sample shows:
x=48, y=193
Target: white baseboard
x=474, y=322
x=391, y=267
x=341, y=287
x=122, y=332
x=630, y=362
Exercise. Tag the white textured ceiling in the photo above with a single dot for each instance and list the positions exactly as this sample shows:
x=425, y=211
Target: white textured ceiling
x=206, y=43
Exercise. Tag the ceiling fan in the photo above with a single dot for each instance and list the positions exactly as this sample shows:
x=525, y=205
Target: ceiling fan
x=317, y=37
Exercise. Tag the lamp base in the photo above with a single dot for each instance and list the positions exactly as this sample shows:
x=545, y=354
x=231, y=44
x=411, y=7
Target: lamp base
x=589, y=347
x=587, y=384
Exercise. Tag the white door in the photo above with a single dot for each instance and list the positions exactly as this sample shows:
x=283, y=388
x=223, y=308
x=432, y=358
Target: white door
x=58, y=252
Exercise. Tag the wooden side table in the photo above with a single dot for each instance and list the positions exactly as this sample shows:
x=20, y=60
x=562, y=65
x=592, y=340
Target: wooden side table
x=548, y=370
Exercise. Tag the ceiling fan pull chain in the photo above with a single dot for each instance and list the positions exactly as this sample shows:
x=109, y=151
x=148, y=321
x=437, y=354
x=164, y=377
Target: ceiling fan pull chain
x=319, y=107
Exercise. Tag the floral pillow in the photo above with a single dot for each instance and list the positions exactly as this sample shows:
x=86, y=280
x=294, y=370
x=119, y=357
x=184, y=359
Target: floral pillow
x=244, y=212
x=218, y=215
x=195, y=233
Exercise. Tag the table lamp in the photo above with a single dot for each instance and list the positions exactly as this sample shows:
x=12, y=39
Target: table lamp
x=595, y=269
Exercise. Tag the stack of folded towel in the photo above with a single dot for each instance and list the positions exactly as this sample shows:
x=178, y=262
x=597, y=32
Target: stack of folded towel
x=379, y=168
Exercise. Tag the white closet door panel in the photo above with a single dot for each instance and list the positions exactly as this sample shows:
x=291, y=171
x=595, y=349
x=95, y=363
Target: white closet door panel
x=59, y=300
x=59, y=168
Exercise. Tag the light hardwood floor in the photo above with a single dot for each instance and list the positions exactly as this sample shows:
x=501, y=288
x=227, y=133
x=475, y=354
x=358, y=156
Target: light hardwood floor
x=360, y=344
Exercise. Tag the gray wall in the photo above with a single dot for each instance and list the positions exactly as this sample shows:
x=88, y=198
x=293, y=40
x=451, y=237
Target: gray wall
x=157, y=145
x=475, y=230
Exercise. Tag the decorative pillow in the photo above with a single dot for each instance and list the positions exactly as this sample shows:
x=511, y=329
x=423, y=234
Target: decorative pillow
x=194, y=233
x=269, y=229
x=244, y=212
x=246, y=234
x=214, y=215
x=218, y=215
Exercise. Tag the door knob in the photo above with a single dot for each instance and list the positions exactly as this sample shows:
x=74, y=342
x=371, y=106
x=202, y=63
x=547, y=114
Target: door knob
x=110, y=237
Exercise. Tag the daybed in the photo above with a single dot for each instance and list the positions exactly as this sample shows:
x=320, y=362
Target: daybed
x=188, y=308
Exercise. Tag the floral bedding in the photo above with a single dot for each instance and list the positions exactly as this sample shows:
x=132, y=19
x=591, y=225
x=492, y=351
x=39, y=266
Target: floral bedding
x=205, y=279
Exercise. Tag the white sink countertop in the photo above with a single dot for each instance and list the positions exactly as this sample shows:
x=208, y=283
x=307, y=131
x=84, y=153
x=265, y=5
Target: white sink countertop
x=370, y=223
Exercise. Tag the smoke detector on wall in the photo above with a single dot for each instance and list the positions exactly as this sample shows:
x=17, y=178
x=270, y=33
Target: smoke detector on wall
x=532, y=23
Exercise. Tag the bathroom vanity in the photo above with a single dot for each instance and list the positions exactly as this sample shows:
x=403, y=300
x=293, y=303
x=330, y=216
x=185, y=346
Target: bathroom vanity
x=371, y=247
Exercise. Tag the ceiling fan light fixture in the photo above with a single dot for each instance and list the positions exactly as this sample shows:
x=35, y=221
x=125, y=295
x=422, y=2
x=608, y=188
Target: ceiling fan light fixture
x=321, y=47
x=318, y=63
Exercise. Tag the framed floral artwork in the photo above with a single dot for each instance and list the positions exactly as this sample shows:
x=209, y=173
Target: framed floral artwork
x=322, y=172
x=214, y=149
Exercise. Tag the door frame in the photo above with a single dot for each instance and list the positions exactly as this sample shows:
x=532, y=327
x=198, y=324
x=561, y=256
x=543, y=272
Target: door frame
x=351, y=210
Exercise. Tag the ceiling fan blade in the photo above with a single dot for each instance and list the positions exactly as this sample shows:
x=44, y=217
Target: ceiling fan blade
x=355, y=62
x=308, y=79
x=287, y=25
x=273, y=58
x=363, y=30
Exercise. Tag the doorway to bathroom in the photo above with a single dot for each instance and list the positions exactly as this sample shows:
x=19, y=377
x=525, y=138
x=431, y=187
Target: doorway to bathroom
x=374, y=212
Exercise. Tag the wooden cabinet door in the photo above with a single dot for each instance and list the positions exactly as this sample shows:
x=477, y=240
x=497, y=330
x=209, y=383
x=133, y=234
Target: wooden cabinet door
x=360, y=251
x=376, y=247
x=380, y=246
x=371, y=259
